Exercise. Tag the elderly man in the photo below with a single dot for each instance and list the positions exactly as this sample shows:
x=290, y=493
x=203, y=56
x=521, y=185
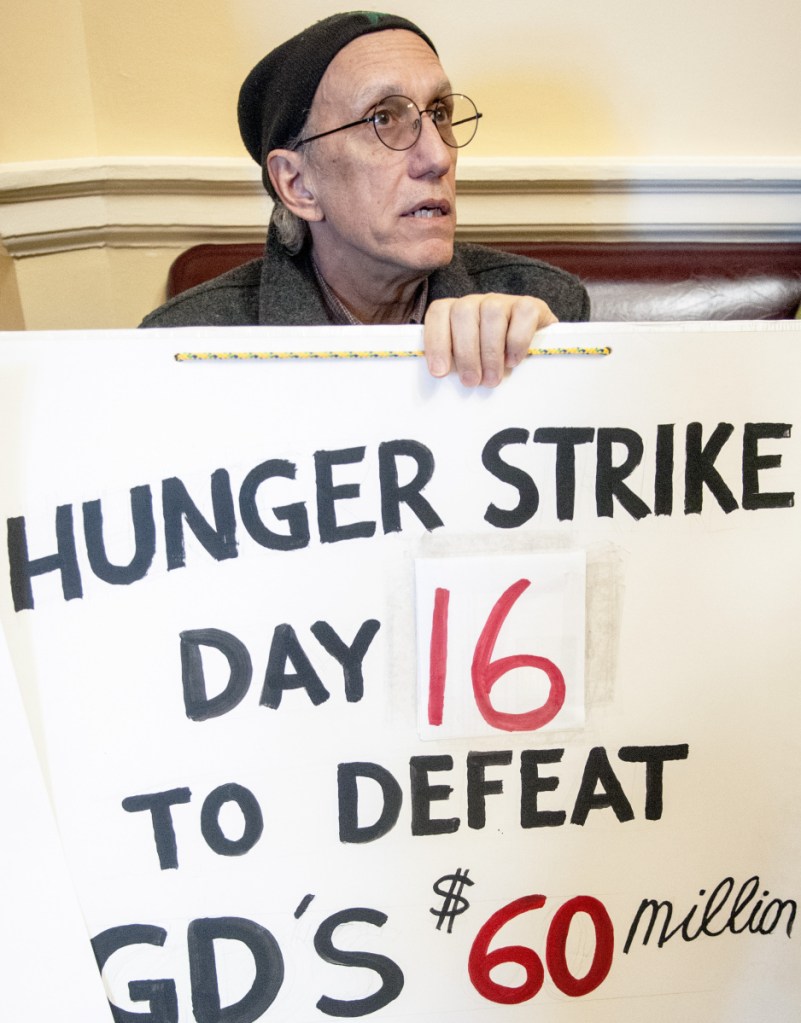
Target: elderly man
x=357, y=129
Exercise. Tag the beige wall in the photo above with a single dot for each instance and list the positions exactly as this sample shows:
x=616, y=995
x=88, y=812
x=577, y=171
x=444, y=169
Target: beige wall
x=639, y=79
x=87, y=288
x=11, y=316
x=577, y=77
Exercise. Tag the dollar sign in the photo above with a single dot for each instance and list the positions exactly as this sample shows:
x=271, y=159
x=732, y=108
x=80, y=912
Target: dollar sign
x=454, y=902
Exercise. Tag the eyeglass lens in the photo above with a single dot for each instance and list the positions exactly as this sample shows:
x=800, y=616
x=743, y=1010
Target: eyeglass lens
x=398, y=121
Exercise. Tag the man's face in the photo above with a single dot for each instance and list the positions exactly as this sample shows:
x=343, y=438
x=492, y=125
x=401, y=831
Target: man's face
x=371, y=198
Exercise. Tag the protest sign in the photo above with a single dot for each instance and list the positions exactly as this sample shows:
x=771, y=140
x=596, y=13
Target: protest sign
x=363, y=695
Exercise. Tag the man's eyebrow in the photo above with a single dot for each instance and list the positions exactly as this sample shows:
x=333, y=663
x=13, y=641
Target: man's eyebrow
x=372, y=94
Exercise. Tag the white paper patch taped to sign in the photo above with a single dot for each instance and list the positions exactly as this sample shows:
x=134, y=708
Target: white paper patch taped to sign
x=517, y=661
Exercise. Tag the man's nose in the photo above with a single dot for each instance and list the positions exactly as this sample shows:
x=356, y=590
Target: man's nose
x=429, y=154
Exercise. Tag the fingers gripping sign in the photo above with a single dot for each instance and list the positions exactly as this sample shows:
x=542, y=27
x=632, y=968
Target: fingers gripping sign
x=481, y=336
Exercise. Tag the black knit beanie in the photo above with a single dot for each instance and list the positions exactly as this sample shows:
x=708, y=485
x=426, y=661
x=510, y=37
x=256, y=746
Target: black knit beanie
x=276, y=96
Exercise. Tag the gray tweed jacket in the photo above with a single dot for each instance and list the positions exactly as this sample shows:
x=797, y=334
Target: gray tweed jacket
x=280, y=290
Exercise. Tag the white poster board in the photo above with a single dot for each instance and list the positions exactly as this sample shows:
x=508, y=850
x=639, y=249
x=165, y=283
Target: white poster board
x=239, y=697
x=43, y=931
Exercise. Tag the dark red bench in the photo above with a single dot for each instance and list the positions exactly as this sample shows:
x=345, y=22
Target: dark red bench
x=626, y=280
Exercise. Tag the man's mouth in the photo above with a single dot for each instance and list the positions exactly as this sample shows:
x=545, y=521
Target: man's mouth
x=429, y=210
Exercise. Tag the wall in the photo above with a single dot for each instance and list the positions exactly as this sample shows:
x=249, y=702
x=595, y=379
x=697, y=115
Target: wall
x=579, y=90
x=579, y=77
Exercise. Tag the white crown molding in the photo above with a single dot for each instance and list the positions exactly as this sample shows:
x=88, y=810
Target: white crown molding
x=158, y=202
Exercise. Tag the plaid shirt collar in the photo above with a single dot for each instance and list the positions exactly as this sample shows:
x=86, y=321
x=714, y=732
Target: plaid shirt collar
x=344, y=317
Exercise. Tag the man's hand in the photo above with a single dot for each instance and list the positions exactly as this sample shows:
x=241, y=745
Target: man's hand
x=482, y=335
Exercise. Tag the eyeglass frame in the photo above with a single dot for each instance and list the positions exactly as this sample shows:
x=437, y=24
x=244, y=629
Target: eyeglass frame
x=370, y=119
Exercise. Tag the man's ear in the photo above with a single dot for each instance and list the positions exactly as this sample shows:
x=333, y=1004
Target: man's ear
x=292, y=181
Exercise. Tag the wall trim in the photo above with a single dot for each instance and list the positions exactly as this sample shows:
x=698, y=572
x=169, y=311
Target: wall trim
x=164, y=202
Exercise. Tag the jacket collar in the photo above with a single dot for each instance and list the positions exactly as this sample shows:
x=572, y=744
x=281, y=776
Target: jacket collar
x=289, y=294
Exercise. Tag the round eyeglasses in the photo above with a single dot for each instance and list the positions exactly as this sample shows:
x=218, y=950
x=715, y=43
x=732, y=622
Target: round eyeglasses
x=398, y=121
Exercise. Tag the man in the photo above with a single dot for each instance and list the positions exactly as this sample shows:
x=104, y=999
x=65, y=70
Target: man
x=357, y=130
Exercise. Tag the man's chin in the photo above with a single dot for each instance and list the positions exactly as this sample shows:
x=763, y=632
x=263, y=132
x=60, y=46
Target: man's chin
x=432, y=255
